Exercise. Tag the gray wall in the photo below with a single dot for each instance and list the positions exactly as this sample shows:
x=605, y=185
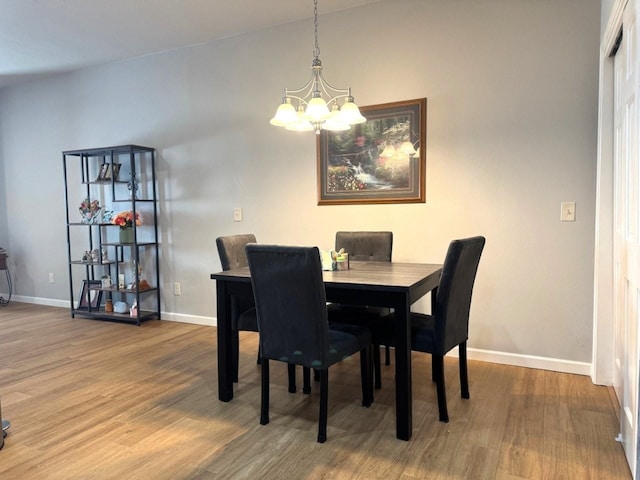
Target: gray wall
x=511, y=132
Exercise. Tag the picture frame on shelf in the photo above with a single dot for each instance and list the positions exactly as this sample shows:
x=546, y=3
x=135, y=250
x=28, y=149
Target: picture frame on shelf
x=113, y=169
x=90, y=295
x=103, y=172
x=382, y=160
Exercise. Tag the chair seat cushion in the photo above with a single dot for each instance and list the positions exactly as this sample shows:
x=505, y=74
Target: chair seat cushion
x=344, y=341
x=248, y=321
x=373, y=318
x=422, y=332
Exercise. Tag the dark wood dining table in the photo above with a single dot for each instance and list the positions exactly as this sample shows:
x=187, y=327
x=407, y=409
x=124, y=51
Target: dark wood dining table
x=384, y=284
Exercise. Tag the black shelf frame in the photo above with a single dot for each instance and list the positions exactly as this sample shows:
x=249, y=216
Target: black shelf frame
x=145, y=156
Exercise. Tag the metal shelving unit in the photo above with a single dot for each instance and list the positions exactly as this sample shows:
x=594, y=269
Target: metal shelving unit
x=120, y=178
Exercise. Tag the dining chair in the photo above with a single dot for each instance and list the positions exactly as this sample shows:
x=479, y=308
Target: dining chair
x=448, y=324
x=243, y=312
x=364, y=247
x=291, y=308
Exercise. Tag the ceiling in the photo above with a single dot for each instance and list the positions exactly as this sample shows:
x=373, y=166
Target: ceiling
x=41, y=37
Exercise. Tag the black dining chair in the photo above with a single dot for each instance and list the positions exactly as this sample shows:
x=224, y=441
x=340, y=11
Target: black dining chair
x=448, y=324
x=364, y=247
x=292, y=318
x=243, y=312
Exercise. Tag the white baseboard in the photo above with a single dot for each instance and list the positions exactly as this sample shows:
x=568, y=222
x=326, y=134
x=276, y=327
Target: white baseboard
x=503, y=358
x=193, y=319
x=50, y=302
x=529, y=361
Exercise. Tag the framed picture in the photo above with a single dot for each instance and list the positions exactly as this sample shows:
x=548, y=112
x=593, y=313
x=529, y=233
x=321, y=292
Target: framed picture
x=112, y=170
x=91, y=295
x=382, y=160
x=103, y=171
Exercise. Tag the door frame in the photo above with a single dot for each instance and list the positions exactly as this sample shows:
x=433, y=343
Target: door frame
x=603, y=322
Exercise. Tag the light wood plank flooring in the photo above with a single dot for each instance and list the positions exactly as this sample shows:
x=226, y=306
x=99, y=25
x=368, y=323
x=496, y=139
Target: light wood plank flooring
x=95, y=400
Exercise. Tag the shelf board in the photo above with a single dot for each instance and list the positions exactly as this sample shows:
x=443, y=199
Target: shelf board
x=96, y=264
x=143, y=315
x=139, y=244
x=123, y=290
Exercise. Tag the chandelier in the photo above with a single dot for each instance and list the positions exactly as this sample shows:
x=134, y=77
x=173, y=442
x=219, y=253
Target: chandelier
x=312, y=111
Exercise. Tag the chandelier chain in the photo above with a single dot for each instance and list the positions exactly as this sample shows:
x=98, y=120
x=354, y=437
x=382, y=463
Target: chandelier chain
x=316, y=50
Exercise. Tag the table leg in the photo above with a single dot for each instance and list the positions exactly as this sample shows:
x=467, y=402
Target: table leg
x=404, y=404
x=225, y=349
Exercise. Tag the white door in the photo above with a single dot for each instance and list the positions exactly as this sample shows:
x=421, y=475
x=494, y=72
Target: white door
x=626, y=236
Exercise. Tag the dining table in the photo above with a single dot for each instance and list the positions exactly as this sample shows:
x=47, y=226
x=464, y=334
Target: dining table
x=396, y=285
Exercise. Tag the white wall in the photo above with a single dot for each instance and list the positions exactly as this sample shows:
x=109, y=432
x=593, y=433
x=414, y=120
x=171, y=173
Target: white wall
x=511, y=132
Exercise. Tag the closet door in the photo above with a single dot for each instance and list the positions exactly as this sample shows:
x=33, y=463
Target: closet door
x=626, y=235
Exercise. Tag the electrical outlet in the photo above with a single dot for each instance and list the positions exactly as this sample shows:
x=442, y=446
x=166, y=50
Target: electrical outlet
x=237, y=214
x=568, y=211
x=176, y=288
x=52, y=278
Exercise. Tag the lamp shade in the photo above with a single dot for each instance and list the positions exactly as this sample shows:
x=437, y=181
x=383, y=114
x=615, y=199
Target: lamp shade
x=285, y=114
x=350, y=114
x=317, y=110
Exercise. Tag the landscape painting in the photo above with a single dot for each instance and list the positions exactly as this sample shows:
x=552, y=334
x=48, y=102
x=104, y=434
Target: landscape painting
x=382, y=160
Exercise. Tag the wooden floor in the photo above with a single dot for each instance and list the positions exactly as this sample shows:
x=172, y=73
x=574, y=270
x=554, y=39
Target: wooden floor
x=96, y=400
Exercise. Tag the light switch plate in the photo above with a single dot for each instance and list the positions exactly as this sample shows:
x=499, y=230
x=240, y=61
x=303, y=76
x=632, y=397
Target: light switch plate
x=237, y=214
x=568, y=211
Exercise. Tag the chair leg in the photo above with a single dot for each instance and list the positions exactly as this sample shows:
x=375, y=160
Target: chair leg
x=259, y=359
x=464, y=378
x=316, y=375
x=376, y=366
x=366, y=375
x=306, y=379
x=264, y=405
x=434, y=373
x=292, y=377
x=235, y=353
x=324, y=400
x=387, y=355
x=438, y=366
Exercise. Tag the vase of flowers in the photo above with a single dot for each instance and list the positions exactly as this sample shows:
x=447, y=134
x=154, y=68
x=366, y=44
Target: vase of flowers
x=125, y=220
x=90, y=211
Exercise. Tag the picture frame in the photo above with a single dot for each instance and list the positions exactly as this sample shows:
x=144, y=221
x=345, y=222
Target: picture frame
x=382, y=160
x=113, y=169
x=90, y=295
x=103, y=172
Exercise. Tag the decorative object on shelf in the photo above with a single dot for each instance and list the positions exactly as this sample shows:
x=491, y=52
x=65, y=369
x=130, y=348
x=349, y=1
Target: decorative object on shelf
x=105, y=254
x=90, y=295
x=120, y=307
x=133, y=312
x=107, y=216
x=313, y=112
x=108, y=306
x=106, y=281
x=120, y=281
x=144, y=285
x=86, y=256
x=103, y=172
x=126, y=235
x=112, y=171
x=125, y=221
x=132, y=185
x=95, y=255
x=90, y=211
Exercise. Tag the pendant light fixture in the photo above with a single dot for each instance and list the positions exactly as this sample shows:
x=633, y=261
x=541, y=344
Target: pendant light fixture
x=312, y=111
